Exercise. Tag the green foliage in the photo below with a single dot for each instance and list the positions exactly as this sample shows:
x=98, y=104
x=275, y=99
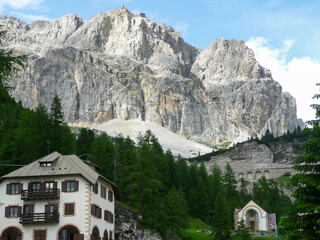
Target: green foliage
x=84, y=141
x=242, y=232
x=194, y=235
x=221, y=218
x=270, y=197
x=176, y=210
x=102, y=154
x=303, y=222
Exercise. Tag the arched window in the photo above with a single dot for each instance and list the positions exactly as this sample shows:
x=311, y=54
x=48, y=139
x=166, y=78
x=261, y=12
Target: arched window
x=95, y=233
x=68, y=232
x=12, y=233
x=105, y=235
x=258, y=175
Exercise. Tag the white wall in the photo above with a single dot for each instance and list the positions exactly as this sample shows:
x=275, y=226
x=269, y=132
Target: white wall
x=78, y=198
x=104, y=204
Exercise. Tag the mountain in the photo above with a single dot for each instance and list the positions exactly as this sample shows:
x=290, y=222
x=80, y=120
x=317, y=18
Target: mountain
x=119, y=65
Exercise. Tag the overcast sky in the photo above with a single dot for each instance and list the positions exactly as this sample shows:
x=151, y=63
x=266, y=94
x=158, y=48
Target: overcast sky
x=284, y=34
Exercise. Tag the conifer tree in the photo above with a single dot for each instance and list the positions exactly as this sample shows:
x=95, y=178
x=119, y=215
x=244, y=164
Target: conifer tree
x=102, y=154
x=304, y=219
x=221, y=218
x=177, y=210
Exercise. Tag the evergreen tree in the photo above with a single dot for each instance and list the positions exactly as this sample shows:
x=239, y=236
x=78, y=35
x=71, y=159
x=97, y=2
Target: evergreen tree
x=126, y=157
x=230, y=185
x=303, y=221
x=221, y=218
x=61, y=138
x=242, y=232
x=145, y=188
x=102, y=154
x=84, y=141
x=176, y=209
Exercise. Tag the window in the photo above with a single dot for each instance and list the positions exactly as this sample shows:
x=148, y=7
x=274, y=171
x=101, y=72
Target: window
x=103, y=192
x=70, y=186
x=51, y=209
x=12, y=211
x=96, y=211
x=14, y=188
x=108, y=216
x=49, y=186
x=110, y=196
x=46, y=164
x=36, y=187
x=28, y=208
x=96, y=188
x=69, y=209
x=105, y=235
x=40, y=234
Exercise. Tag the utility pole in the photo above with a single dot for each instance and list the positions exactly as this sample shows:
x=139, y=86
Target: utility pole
x=48, y=146
x=115, y=163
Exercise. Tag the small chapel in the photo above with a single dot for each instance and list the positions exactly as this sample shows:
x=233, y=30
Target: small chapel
x=254, y=217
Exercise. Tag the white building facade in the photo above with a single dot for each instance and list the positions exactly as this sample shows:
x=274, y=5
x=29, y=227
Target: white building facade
x=57, y=198
x=254, y=217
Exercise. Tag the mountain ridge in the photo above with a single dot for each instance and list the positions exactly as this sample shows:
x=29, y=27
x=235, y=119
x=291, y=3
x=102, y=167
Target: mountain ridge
x=118, y=65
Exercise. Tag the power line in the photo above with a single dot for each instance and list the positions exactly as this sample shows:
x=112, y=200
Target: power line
x=12, y=165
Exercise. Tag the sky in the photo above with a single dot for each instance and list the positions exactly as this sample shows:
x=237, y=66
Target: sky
x=284, y=34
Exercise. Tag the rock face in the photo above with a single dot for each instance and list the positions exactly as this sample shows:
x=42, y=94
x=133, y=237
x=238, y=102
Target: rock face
x=252, y=160
x=120, y=65
x=126, y=226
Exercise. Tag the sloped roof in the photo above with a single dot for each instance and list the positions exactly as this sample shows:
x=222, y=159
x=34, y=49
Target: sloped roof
x=250, y=203
x=62, y=165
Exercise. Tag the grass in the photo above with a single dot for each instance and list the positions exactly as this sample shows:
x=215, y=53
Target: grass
x=193, y=235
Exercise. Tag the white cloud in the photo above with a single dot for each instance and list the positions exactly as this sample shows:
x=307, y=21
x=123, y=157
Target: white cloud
x=297, y=76
x=31, y=18
x=181, y=27
x=20, y=4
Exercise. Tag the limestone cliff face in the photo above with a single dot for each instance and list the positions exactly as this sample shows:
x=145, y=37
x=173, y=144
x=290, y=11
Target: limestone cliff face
x=120, y=65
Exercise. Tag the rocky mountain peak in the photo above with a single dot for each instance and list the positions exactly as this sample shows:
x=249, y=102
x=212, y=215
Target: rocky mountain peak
x=120, y=65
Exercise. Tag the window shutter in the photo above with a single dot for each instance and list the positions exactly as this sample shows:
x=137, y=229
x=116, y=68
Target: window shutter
x=46, y=208
x=55, y=208
x=64, y=186
x=55, y=185
x=19, y=211
x=76, y=185
x=8, y=188
x=20, y=187
x=42, y=184
x=100, y=211
x=30, y=186
x=92, y=209
x=111, y=217
x=31, y=208
x=7, y=212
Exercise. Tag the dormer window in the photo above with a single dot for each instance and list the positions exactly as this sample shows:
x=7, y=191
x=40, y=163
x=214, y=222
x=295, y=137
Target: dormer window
x=46, y=164
x=49, y=160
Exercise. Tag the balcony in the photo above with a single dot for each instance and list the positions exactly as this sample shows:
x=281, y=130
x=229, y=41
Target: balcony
x=40, y=194
x=39, y=218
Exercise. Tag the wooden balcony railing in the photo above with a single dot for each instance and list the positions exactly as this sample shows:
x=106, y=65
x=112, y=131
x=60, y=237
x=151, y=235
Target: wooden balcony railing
x=40, y=194
x=39, y=218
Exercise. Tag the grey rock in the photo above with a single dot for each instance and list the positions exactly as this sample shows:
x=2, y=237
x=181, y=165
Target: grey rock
x=121, y=65
x=127, y=228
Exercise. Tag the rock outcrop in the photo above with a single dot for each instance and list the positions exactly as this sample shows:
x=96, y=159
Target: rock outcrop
x=121, y=65
x=251, y=160
x=126, y=226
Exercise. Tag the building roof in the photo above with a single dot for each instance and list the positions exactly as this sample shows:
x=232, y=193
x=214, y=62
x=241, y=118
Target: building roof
x=61, y=165
x=251, y=203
